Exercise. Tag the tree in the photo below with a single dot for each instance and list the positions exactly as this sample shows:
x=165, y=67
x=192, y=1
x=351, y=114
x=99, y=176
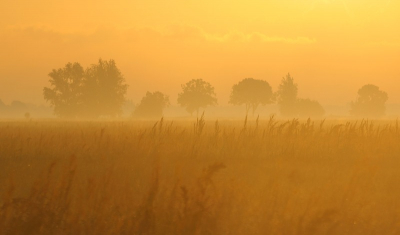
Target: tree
x=290, y=105
x=18, y=106
x=98, y=90
x=196, y=94
x=152, y=105
x=27, y=115
x=370, y=102
x=309, y=108
x=65, y=93
x=2, y=105
x=104, y=89
x=252, y=93
x=287, y=96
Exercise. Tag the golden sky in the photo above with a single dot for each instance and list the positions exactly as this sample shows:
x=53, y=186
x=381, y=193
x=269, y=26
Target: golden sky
x=331, y=47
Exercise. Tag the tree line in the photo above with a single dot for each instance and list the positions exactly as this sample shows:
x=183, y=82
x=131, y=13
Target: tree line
x=100, y=90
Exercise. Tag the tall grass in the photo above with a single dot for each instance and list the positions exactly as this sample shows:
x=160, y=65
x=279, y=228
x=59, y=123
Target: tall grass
x=207, y=177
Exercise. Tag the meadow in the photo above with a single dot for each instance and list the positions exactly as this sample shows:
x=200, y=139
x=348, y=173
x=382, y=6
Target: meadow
x=200, y=177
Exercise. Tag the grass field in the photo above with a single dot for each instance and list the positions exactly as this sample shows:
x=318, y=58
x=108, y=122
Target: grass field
x=200, y=177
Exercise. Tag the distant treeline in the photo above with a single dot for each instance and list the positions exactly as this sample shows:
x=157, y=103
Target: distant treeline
x=100, y=90
x=21, y=109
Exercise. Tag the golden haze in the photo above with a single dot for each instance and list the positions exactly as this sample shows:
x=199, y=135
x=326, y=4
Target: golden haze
x=196, y=175
x=328, y=46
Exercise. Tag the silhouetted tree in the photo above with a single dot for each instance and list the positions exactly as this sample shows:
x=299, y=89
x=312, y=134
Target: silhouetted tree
x=2, y=105
x=290, y=105
x=99, y=90
x=65, y=93
x=370, y=102
x=252, y=93
x=287, y=96
x=104, y=89
x=152, y=105
x=18, y=106
x=196, y=94
x=309, y=108
x=3, y=108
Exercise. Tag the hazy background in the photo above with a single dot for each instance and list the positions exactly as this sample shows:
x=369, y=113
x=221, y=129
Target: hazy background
x=331, y=48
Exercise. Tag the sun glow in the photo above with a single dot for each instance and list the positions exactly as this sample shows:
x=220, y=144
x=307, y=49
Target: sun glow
x=223, y=41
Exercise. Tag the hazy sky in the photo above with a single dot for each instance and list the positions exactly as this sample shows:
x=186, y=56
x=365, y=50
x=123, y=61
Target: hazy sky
x=331, y=48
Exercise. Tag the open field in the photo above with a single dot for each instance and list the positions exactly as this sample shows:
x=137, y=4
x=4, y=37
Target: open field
x=200, y=177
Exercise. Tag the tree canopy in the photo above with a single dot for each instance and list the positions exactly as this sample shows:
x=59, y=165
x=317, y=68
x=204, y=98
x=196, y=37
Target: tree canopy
x=252, y=93
x=309, y=108
x=97, y=91
x=196, y=94
x=66, y=92
x=152, y=105
x=292, y=106
x=104, y=89
x=370, y=102
x=2, y=104
x=287, y=96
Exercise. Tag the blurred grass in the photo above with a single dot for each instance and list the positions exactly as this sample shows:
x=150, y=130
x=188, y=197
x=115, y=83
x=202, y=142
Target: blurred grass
x=202, y=177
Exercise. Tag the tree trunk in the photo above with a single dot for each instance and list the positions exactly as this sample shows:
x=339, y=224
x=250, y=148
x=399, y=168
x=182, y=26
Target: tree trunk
x=254, y=106
x=247, y=109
